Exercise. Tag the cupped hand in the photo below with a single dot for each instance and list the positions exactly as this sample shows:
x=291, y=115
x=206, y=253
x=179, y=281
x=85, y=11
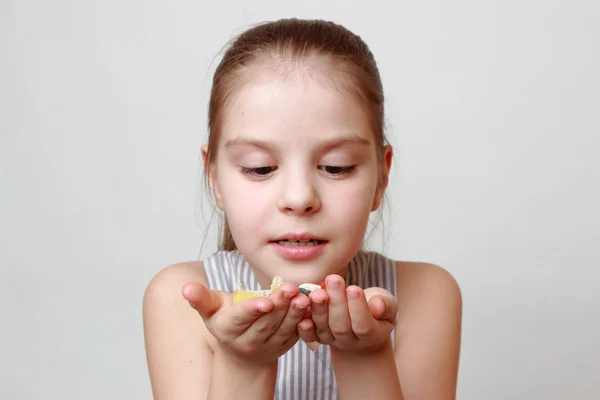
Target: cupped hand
x=258, y=330
x=349, y=318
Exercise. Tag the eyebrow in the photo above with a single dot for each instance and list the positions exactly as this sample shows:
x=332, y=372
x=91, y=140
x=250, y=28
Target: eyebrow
x=348, y=139
x=236, y=142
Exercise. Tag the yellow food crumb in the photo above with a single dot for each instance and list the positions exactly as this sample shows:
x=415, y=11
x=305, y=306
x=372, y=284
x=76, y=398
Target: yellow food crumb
x=277, y=281
x=239, y=294
x=245, y=295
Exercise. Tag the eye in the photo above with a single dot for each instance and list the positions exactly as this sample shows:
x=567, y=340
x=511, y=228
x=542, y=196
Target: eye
x=337, y=171
x=260, y=172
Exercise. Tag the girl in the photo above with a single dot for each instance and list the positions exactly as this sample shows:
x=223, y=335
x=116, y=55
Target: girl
x=297, y=160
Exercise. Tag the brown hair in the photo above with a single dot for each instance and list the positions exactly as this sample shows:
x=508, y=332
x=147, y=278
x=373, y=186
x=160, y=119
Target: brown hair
x=295, y=40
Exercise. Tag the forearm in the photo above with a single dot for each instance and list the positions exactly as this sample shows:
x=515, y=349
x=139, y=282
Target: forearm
x=367, y=375
x=236, y=379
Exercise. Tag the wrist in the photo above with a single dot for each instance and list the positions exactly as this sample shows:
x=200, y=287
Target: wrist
x=245, y=378
x=375, y=351
x=243, y=362
x=367, y=374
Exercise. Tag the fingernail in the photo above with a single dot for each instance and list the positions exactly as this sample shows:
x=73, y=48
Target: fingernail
x=263, y=307
x=318, y=300
x=304, y=327
x=352, y=294
x=288, y=295
x=334, y=284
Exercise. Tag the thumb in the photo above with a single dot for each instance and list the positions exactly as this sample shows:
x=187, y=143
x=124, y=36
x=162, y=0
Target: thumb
x=202, y=299
x=383, y=304
x=384, y=308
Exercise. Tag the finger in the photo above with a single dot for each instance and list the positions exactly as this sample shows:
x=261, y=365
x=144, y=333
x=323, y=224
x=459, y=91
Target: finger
x=339, y=319
x=374, y=291
x=320, y=316
x=361, y=317
x=232, y=321
x=205, y=301
x=288, y=329
x=384, y=307
x=308, y=311
x=306, y=331
x=268, y=323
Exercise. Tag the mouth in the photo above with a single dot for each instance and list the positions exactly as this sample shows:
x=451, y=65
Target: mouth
x=299, y=246
x=293, y=243
x=302, y=239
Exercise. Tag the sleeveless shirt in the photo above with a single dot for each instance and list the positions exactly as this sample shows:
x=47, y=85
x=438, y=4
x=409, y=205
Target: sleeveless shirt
x=303, y=373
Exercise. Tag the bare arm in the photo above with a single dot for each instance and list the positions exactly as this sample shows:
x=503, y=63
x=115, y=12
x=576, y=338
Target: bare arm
x=179, y=349
x=234, y=379
x=428, y=332
x=367, y=375
x=357, y=324
x=178, y=355
x=370, y=374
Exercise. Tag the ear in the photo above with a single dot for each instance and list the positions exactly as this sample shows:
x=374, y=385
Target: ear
x=384, y=177
x=204, y=151
x=212, y=177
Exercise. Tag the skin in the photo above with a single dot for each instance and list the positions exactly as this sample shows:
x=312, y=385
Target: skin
x=295, y=154
x=310, y=130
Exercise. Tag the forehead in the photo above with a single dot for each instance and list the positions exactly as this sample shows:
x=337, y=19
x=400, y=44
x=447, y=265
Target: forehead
x=295, y=104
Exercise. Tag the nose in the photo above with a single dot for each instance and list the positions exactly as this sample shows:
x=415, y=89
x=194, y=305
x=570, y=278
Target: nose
x=299, y=196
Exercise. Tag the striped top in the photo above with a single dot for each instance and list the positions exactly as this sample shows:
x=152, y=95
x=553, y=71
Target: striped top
x=303, y=374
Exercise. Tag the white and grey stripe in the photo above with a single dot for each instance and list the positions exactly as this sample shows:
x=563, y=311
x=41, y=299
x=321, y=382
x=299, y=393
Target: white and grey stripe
x=303, y=374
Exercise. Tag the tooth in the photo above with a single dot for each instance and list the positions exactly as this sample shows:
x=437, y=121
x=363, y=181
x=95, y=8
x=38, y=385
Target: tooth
x=298, y=242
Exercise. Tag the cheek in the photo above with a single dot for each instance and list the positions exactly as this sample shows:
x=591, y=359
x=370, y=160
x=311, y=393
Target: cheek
x=353, y=202
x=358, y=193
x=246, y=208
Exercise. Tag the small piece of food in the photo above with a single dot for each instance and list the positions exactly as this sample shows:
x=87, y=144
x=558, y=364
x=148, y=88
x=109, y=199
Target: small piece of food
x=277, y=282
x=239, y=294
x=307, y=288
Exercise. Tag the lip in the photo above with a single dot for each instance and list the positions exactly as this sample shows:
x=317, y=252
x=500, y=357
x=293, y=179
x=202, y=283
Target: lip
x=299, y=253
x=299, y=236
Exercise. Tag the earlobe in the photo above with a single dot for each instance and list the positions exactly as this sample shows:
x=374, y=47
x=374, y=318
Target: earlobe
x=377, y=200
x=204, y=152
x=207, y=170
x=218, y=198
x=214, y=188
x=379, y=193
x=387, y=159
x=384, y=177
x=211, y=176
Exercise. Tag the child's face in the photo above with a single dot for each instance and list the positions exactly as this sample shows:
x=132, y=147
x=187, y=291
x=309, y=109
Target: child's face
x=297, y=157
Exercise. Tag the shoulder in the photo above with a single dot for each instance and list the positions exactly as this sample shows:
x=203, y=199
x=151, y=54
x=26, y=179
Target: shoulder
x=427, y=291
x=163, y=297
x=178, y=345
x=174, y=274
x=426, y=280
x=428, y=331
x=165, y=288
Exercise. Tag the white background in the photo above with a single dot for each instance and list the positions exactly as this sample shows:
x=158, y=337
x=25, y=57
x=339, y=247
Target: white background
x=493, y=110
